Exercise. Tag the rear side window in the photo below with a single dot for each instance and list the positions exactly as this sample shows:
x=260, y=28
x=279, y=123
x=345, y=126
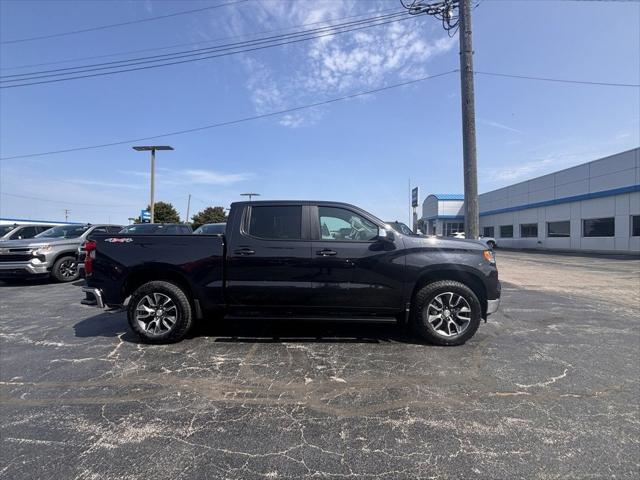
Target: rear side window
x=114, y=229
x=26, y=232
x=276, y=222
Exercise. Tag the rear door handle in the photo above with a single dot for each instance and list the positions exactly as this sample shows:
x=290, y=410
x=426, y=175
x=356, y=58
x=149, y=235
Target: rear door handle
x=244, y=251
x=325, y=252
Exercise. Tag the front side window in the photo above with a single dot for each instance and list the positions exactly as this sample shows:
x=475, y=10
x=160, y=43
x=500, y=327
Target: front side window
x=559, y=229
x=635, y=225
x=506, y=231
x=276, y=222
x=344, y=225
x=599, y=227
x=488, y=232
x=529, y=230
x=64, y=231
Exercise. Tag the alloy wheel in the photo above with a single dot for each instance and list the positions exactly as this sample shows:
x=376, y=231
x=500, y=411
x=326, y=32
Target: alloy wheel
x=449, y=314
x=156, y=314
x=68, y=268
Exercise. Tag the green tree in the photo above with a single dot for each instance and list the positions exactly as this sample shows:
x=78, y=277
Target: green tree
x=209, y=215
x=163, y=212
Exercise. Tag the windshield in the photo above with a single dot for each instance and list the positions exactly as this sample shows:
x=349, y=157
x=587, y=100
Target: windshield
x=4, y=229
x=401, y=228
x=211, y=229
x=64, y=231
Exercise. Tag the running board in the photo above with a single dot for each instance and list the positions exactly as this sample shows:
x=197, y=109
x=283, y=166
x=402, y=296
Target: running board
x=313, y=319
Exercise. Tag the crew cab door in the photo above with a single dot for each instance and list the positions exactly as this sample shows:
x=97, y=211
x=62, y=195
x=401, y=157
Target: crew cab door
x=354, y=268
x=268, y=257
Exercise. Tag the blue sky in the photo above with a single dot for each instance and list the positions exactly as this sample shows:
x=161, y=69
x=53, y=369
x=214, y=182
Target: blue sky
x=361, y=151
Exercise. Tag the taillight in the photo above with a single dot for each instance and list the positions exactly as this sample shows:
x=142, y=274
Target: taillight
x=90, y=248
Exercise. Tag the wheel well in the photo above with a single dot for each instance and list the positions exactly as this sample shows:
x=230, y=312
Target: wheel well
x=69, y=253
x=469, y=279
x=141, y=277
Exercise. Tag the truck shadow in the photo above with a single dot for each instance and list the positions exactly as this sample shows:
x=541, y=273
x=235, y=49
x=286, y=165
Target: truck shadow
x=259, y=330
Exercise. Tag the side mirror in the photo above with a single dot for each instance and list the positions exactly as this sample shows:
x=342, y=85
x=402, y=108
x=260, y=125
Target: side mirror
x=385, y=234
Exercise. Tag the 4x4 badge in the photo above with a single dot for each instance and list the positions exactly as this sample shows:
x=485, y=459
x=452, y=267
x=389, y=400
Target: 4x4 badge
x=118, y=240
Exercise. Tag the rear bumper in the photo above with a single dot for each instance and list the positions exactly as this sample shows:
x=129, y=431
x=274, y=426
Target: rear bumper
x=93, y=297
x=492, y=306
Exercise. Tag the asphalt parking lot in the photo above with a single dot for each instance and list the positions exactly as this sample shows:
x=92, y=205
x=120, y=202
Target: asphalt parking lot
x=548, y=388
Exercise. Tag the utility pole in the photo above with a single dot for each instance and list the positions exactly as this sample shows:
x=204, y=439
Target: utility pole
x=445, y=11
x=188, y=207
x=471, y=214
x=66, y=214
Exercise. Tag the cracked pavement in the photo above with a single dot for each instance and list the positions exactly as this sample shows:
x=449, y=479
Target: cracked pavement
x=548, y=388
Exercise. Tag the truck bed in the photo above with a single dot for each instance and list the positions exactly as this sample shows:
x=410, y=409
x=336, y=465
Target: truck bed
x=196, y=261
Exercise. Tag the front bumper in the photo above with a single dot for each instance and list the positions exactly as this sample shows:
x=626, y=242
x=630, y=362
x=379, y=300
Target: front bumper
x=492, y=306
x=13, y=269
x=93, y=297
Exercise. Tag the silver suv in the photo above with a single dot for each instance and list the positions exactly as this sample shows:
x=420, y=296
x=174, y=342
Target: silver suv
x=51, y=253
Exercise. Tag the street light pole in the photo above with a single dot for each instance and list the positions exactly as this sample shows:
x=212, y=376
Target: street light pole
x=153, y=184
x=250, y=195
x=152, y=149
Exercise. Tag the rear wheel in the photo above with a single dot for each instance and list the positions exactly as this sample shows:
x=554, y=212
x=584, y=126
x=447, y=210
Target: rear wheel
x=491, y=244
x=65, y=269
x=446, y=313
x=160, y=312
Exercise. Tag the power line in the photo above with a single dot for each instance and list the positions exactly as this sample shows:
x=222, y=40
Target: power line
x=190, y=53
x=303, y=107
x=233, y=122
x=559, y=80
x=121, y=24
x=146, y=67
x=167, y=47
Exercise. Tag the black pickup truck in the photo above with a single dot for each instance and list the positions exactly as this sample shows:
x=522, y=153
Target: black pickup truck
x=300, y=259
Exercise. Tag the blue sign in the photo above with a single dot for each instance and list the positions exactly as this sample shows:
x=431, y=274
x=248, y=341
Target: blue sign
x=145, y=216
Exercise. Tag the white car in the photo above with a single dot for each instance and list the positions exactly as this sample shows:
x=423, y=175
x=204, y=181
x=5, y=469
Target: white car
x=488, y=241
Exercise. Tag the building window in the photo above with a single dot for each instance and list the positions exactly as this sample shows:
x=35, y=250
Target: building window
x=635, y=225
x=559, y=229
x=506, y=231
x=488, y=232
x=453, y=227
x=529, y=230
x=599, y=227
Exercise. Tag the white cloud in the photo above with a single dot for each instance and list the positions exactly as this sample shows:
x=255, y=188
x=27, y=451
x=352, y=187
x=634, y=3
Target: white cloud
x=98, y=183
x=501, y=126
x=211, y=177
x=334, y=65
x=168, y=176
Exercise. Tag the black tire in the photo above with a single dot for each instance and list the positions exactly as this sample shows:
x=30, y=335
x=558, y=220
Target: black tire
x=426, y=295
x=491, y=245
x=156, y=291
x=65, y=269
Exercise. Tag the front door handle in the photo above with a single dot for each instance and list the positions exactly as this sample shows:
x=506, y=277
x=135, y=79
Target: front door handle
x=244, y=251
x=325, y=252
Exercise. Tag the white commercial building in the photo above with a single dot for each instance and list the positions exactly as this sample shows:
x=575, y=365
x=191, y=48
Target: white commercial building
x=591, y=207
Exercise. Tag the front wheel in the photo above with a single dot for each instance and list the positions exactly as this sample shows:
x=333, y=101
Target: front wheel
x=160, y=312
x=65, y=269
x=491, y=244
x=446, y=313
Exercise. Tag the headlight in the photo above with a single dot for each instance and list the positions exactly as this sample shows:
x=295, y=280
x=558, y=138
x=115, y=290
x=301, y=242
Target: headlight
x=488, y=256
x=42, y=249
